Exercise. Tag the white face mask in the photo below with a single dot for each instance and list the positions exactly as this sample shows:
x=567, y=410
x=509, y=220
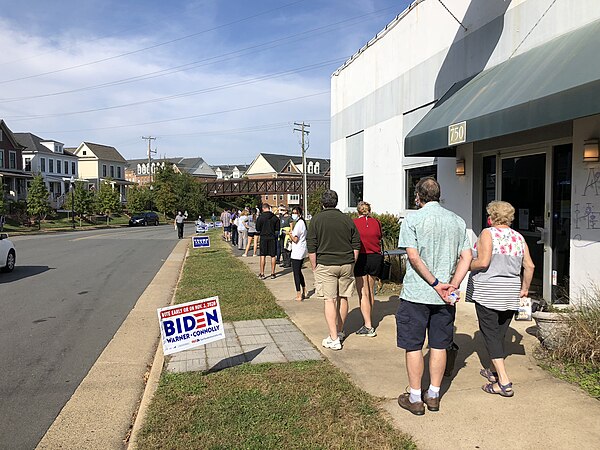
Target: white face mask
x=295, y=216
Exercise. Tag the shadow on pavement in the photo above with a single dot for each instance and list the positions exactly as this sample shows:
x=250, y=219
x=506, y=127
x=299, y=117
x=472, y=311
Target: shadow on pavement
x=236, y=360
x=380, y=310
x=21, y=272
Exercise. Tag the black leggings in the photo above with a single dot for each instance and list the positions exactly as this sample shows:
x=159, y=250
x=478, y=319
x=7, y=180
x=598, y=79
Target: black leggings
x=298, y=277
x=494, y=325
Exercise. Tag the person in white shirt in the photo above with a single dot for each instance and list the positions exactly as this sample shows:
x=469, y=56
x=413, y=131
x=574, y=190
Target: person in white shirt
x=299, y=252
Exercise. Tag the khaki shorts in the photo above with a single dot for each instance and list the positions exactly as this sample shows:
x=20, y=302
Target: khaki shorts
x=334, y=281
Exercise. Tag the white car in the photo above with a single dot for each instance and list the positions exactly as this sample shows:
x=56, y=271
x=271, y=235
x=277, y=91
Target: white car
x=8, y=254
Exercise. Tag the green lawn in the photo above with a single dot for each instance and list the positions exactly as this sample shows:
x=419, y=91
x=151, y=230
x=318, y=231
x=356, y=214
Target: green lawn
x=264, y=406
x=587, y=377
x=214, y=271
x=63, y=222
x=267, y=406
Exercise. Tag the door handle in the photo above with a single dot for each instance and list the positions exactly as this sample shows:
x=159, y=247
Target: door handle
x=542, y=235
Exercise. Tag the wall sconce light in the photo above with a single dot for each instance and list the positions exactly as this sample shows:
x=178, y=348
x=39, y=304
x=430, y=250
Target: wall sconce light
x=591, y=153
x=460, y=167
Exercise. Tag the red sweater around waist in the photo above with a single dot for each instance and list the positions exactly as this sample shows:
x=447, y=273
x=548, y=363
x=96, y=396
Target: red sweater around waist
x=370, y=234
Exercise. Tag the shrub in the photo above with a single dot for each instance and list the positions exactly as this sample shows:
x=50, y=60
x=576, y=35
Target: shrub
x=581, y=339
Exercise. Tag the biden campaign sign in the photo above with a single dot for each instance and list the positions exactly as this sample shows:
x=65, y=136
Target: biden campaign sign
x=190, y=325
x=200, y=241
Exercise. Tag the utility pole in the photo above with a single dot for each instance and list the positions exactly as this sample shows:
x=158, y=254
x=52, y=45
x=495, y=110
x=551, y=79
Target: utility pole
x=150, y=152
x=304, y=131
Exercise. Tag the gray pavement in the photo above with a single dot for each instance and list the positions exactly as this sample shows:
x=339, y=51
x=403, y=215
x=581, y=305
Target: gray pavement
x=253, y=341
x=544, y=413
x=68, y=295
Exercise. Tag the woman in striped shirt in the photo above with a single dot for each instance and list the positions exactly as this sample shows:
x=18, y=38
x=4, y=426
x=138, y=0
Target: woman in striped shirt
x=496, y=286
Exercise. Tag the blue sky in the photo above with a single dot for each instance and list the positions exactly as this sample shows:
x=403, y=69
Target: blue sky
x=223, y=80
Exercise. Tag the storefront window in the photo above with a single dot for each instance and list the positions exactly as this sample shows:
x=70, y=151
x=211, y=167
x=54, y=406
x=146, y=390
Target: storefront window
x=489, y=186
x=412, y=178
x=355, y=191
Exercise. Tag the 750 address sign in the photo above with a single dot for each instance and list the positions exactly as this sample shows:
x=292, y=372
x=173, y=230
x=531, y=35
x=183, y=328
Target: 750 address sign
x=457, y=133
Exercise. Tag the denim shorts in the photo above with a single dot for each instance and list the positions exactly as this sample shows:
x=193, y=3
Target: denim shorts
x=414, y=320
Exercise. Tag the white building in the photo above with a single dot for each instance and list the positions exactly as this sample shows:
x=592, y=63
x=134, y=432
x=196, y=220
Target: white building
x=52, y=161
x=506, y=93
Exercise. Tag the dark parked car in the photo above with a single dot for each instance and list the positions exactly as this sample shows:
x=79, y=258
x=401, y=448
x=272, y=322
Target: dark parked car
x=147, y=218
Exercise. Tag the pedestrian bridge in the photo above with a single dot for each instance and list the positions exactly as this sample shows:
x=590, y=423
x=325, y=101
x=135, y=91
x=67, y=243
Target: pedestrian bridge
x=263, y=186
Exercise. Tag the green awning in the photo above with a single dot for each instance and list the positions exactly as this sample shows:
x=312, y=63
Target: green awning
x=553, y=83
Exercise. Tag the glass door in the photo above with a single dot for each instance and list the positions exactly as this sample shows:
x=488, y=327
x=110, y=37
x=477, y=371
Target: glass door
x=524, y=185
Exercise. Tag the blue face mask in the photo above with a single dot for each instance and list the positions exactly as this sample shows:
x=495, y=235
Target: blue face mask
x=295, y=217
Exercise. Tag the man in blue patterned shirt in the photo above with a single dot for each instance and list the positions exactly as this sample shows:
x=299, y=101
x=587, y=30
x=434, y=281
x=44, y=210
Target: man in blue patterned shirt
x=439, y=255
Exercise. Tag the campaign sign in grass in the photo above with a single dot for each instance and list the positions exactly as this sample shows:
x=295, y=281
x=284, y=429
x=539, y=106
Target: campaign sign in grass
x=200, y=241
x=190, y=325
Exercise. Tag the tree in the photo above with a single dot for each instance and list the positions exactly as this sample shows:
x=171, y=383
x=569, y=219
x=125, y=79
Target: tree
x=139, y=198
x=84, y=200
x=107, y=200
x=164, y=189
x=314, y=201
x=38, y=204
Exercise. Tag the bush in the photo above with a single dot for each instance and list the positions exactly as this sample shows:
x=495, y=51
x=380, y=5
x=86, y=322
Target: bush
x=581, y=339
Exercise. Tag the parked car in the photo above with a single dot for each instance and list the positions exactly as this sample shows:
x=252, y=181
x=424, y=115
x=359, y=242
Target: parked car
x=8, y=254
x=147, y=218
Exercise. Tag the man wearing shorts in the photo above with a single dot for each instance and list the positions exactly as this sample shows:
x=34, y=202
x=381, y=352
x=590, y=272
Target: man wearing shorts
x=333, y=244
x=267, y=227
x=226, y=220
x=439, y=255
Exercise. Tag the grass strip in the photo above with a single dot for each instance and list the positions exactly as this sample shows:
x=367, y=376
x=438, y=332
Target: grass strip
x=215, y=271
x=587, y=377
x=307, y=404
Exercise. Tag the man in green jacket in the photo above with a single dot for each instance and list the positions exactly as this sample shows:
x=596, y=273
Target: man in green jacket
x=333, y=245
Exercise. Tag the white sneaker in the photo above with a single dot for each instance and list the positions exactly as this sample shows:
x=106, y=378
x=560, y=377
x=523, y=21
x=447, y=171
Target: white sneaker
x=330, y=343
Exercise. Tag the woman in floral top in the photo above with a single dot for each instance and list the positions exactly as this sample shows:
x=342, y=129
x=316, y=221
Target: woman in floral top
x=496, y=286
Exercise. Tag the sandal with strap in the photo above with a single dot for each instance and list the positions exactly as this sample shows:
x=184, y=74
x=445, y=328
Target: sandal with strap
x=492, y=377
x=505, y=389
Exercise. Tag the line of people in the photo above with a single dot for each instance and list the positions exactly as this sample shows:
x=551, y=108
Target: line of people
x=346, y=255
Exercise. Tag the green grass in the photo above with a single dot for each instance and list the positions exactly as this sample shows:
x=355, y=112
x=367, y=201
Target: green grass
x=267, y=406
x=215, y=271
x=63, y=222
x=307, y=404
x=587, y=377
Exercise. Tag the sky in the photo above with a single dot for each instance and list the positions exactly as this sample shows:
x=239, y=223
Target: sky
x=223, y=80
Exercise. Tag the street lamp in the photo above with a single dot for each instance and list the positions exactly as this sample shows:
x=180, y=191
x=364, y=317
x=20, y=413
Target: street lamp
x=72, y=181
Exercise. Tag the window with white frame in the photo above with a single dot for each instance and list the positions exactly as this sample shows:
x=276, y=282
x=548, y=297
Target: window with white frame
x=309, y=169
x=112, y=171
x=66, y=167
x=139, y=169
x=28, y=164
x=58, y=166
x=50, y=165
x=1, y=158
x=42, y=164
x=73, y=168
x=104, y=170
x=275, y=197
x=119, y=172
x=317, y=168
x=355, y=191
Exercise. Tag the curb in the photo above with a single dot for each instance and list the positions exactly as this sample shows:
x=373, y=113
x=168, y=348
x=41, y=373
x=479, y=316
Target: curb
x=153, y=378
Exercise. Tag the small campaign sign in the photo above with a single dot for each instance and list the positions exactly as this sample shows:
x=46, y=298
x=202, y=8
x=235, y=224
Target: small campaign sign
x=200, y=241
x=218, y=224
x=190, y=325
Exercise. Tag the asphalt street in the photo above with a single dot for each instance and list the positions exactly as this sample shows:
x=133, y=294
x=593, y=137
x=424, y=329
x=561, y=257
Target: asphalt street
x=66, y=298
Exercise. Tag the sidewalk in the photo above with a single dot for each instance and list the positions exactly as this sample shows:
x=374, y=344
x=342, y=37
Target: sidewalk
x=544, y=413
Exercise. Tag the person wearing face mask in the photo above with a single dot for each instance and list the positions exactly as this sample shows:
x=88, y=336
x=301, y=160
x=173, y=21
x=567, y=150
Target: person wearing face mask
x=298, y=237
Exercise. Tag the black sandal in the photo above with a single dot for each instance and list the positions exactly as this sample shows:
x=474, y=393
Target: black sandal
x=492, y=377
x=505, y=389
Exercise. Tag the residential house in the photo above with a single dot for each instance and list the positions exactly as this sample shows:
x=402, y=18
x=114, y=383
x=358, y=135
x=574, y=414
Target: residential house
x=229, y=172
x=498, y=100
x=267, y=165
x=140, y=171
x=50, y=159
x=13, y=178
x=99, y=163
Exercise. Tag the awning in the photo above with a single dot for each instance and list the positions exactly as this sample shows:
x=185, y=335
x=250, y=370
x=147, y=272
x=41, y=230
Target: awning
x=9, y=174
x=556, y=82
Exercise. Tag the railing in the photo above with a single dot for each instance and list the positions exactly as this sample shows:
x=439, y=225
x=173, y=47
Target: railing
x=262, y=186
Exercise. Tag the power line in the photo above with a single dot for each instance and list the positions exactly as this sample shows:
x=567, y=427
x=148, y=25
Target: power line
x=211, y=60
x=176, y=119
x=151, y=46
x=180, y=95
x=450, y=12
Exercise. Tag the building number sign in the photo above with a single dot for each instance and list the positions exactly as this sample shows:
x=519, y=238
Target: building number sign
x=457, y=133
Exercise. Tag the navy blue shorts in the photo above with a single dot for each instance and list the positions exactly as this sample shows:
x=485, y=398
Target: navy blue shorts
x=413, y=320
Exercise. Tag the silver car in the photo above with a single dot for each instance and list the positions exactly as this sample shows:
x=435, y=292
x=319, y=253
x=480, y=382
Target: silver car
x=8, y=254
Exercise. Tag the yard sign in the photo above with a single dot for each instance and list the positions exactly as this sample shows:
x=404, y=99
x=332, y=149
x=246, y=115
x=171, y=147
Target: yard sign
x=190, y=325
x=200, y=241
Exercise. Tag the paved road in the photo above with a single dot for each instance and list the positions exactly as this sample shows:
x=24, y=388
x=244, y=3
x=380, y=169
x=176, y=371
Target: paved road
x=60, y=307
